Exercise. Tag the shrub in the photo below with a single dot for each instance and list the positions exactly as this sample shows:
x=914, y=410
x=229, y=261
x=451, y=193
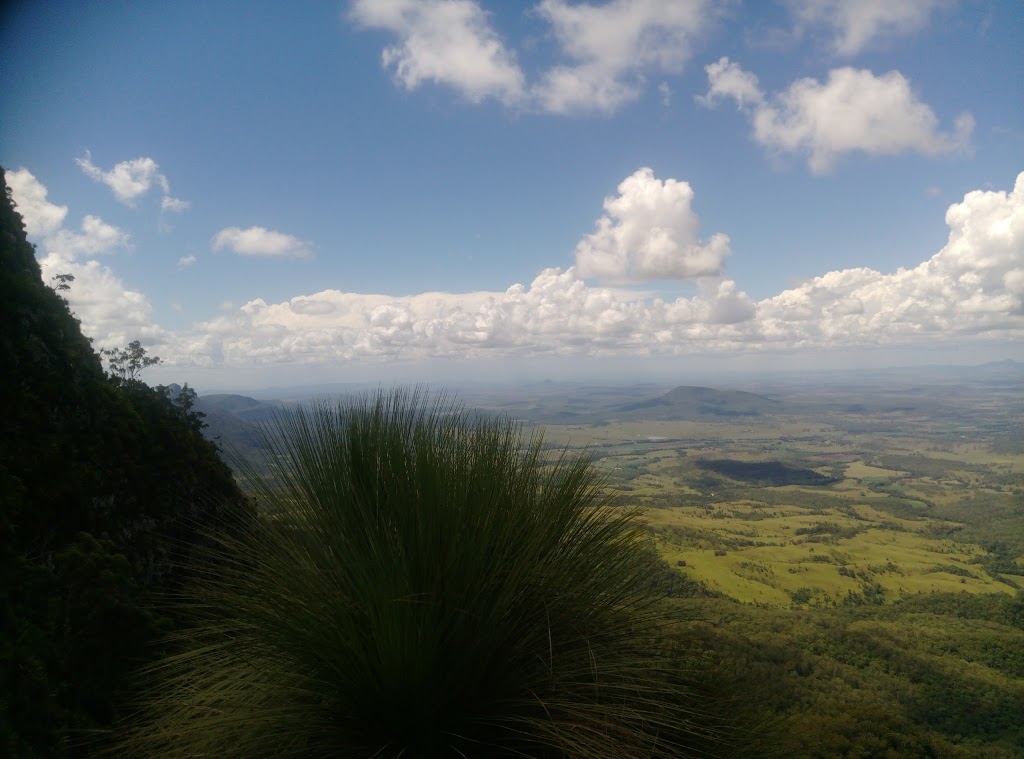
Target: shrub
x=429, y=585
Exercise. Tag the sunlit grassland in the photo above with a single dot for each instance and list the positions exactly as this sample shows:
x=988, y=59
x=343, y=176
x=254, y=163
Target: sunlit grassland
x=771, y=559
x=857, y=472
x=909, y=507
x=664, y=432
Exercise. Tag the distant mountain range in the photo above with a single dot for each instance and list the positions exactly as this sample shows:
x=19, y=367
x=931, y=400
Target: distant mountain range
x=233, y=420
x=689, y=402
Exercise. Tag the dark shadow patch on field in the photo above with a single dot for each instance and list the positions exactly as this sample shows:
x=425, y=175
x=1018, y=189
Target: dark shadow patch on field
x=765, y=473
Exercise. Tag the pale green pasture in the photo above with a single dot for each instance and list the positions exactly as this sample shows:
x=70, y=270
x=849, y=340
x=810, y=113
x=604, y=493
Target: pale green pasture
x=748, y=546
x=858, y=470
x=901, y=562
x=620, y=433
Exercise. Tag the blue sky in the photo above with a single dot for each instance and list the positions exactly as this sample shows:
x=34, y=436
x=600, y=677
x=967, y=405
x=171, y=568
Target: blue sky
x=269, y=193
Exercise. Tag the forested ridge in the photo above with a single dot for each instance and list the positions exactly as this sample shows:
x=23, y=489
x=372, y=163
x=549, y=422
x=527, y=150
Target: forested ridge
x=104, y=483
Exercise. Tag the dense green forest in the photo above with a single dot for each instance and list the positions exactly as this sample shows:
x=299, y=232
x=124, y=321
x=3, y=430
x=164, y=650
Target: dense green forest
x=126, y=542
x=105, y=484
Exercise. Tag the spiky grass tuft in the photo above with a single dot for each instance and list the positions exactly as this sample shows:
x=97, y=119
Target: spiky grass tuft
x=427, y=584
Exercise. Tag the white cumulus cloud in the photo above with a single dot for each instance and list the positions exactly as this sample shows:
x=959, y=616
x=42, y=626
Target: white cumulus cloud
x=185, y=261
x=855, y=24
x=974, y=285
x=95, y=237
x=971, y=289
x=649, y=231
x=612, y=46
x=449, y=42
x=259, y=241
x=606, y=51
x=110, y=312
x=557, y=314
x=41, y=217
x=853, y=111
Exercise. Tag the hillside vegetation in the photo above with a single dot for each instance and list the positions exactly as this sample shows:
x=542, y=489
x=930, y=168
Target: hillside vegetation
x=856, y=556
x=104, y=483
x=429, y=584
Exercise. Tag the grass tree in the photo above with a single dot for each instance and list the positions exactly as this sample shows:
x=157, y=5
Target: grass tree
x=427, y=583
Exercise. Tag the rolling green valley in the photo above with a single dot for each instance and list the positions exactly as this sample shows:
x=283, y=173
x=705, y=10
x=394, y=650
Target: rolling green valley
x=846, y=549
x=819, y=500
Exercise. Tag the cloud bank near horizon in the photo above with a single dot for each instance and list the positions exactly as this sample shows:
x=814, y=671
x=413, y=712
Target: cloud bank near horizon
x=973, y=288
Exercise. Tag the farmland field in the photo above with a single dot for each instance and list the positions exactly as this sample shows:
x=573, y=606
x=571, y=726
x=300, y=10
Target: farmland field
x=819, y=495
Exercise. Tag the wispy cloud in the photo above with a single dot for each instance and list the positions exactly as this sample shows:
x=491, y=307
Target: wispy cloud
x=175, y=205
x=666, y=94
x=130, y=180
x=856, y=24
